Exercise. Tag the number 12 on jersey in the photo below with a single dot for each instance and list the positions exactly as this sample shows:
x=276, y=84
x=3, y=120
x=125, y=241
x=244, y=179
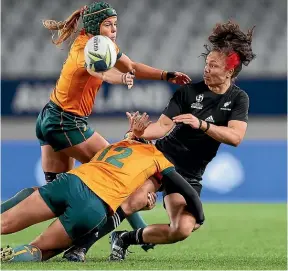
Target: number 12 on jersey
x=114, y=160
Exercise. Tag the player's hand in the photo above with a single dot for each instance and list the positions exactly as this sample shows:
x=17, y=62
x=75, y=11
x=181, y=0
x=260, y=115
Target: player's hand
x=151, y=202
x=129, y=117
x=128, y=78
x=178, y=78
x=187, y=119
x=140, y=123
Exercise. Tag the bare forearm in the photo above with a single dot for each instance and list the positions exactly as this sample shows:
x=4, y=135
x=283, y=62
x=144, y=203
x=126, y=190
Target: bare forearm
x=155, y=131
x=222, y=134
x=143, y=71
x=112, y=76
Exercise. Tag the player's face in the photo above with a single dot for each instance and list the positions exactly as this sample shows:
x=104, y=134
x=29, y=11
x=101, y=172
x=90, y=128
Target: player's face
x=108, y=28
x=215, y=72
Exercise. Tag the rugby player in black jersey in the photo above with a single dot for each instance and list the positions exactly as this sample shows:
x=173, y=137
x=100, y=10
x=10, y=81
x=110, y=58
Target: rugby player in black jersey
x=199, y=117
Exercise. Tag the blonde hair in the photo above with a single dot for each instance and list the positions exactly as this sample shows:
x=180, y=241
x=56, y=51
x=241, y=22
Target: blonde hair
x=65, y=29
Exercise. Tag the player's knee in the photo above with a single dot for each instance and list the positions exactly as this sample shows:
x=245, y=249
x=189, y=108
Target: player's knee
x=6, y=224
x=50, y=176
x=180, y=233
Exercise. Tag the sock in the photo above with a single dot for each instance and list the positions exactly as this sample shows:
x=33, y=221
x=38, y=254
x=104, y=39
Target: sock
x=23, y=194
x=112, y=223
x=133, y=237
x=26, y=253
x=136, y=221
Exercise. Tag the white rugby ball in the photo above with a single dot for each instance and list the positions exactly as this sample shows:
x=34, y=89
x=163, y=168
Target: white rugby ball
x=100, y=53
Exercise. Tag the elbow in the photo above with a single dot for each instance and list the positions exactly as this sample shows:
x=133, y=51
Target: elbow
x=105, y=77
x=236, y=142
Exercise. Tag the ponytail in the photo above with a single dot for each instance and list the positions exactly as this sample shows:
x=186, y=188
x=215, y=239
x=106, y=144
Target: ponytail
x=65, y=29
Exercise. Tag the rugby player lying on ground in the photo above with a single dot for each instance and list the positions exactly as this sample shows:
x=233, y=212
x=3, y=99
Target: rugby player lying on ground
x=83, y=198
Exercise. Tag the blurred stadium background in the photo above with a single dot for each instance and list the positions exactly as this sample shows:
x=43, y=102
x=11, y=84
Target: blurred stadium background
x=168, y=35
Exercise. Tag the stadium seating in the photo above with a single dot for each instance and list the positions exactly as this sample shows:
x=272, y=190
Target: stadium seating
x=164, y=34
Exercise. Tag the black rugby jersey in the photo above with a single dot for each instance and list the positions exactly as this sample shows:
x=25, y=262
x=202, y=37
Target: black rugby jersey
x=190, y=150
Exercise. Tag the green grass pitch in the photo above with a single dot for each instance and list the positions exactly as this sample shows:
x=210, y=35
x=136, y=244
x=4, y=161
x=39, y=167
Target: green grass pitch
x=234, y=236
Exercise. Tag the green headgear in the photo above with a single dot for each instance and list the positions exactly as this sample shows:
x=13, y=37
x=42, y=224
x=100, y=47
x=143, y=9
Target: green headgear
x=94, y=14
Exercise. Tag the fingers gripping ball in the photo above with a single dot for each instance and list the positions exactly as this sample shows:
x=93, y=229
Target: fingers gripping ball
x=100, y=54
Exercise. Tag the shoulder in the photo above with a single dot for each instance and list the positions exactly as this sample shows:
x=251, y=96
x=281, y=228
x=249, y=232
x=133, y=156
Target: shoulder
x=239, y=94
x=80, y=42
x=187, y=88
x=197, y=87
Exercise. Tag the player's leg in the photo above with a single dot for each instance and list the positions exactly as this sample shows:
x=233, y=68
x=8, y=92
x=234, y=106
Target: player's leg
x=50, y=243
x=52, y=200
x=53, y=240
x=85, y=150
x=80, y=211
x=68, y=134
x=53, y=163
x=49, y=122
x=136, y=202
x=182, y=223
x=30, y=211
x=20, y=196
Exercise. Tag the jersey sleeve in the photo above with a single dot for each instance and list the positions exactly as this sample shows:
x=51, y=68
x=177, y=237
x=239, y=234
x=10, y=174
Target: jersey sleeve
x=240, y=108
x=176, y=104
x=119, y=54
x=193, y=201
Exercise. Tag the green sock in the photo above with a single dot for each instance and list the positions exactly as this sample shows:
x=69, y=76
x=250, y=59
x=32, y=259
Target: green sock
x=23, y=194
x=136, y=221
x=24, y=253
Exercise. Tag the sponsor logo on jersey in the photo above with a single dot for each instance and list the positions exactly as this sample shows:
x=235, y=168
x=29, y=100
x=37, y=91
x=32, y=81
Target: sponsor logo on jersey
x=198, y=104
x=199, y=98
x=225, y=106
x=210, y=119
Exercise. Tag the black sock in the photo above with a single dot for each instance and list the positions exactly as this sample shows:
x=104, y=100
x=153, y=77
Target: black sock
x=133, y=237
x=112, y=223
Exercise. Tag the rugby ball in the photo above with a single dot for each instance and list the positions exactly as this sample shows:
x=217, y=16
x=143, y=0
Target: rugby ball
x=100, y=53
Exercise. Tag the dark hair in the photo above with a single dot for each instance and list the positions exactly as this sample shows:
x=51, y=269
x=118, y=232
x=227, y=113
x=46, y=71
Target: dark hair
x=228, y=38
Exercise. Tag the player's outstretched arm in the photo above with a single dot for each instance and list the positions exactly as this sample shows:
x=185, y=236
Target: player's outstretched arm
x=154, y=130
x=189, y=193
x=142, y=71
x=113, y=76
x=231, y=135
